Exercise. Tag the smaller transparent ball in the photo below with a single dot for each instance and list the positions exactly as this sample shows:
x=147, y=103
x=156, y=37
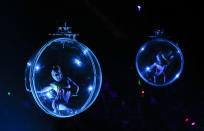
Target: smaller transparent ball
x=64, y=77
x=159, y=62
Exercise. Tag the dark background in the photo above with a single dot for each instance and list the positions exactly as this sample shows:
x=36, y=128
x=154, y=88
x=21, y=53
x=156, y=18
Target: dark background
x=114, y=31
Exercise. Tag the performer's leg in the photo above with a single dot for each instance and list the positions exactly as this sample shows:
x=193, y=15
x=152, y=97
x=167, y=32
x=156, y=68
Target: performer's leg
x=67, y=96
x=54, y=106
x=63, y=107
x=155, y=79
x=164, y=77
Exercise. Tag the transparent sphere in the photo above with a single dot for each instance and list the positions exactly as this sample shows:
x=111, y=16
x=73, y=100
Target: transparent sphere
x=64, y=77
x=159, y=62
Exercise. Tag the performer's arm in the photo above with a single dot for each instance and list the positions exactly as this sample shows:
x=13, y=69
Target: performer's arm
x=48, y=88
x=74, y=85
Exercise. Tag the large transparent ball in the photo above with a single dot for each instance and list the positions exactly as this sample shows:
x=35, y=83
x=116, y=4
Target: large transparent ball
x=159, y=62
x=64, y=77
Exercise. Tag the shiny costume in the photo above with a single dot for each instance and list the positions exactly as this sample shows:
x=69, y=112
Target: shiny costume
x=64, y=88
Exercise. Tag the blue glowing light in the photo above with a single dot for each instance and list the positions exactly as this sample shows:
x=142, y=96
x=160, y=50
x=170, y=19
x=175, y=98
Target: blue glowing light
x=147, y=69
x=85, y=51
x=177, y=75
x=49, y=95
x=37, y=67
x=77, y=62
x=29, y=64
x=90, y=88
x=165, y=59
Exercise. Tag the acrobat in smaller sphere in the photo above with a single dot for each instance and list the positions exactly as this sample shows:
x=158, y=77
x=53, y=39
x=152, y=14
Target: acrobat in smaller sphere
x=158, y=67
x=159, y=62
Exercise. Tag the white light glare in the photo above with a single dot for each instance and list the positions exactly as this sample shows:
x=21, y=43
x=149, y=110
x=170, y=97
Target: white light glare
x=77, y=62
x=29, y=64
x=147, y=69
x=37, y=67
x=90, y=88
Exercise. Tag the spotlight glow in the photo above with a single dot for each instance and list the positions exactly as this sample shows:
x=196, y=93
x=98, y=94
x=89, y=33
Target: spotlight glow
x=48, y=95
x=139, y=8
x=29, y=64
x=85, y=51
x=139, y=82
x=193, y=123
x=90, y=88
x=37, y=67
x=77, y=62
x=177, y=75
x=147, y=69
x=186, y=119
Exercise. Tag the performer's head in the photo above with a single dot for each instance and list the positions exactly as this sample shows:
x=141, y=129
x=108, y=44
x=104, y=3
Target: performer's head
x=56, y=73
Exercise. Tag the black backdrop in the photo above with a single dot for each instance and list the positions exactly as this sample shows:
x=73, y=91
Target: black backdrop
x=114, y=31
